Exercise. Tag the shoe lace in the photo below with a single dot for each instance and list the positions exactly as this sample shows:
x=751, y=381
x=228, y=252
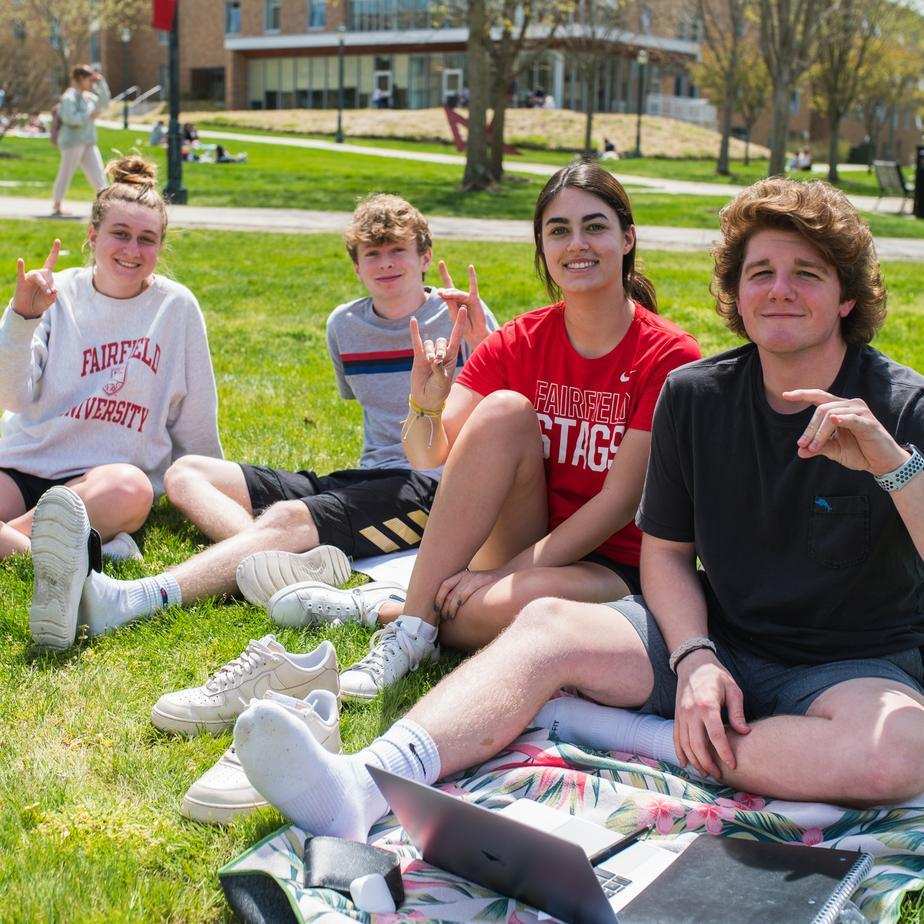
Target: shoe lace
x=384, y=646
x=228, y=675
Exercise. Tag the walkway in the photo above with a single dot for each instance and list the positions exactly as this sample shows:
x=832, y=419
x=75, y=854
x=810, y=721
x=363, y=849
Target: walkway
x=299, y=221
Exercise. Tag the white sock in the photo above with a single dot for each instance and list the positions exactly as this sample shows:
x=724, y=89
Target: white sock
x=324, y=793
x=107, y=603
x=607, y=728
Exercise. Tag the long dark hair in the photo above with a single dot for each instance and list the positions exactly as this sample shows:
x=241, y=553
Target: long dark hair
x=592, y=178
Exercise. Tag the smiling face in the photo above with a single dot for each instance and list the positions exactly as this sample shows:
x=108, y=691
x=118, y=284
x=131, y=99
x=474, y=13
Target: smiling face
x=393, y=272
x=789, y=296
x=583, y=243
x=125, y=247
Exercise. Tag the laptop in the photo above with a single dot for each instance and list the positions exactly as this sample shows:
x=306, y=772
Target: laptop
x=597, y=871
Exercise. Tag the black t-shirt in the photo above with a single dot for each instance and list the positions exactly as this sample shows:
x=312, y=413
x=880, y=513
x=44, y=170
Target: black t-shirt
x=806, y=561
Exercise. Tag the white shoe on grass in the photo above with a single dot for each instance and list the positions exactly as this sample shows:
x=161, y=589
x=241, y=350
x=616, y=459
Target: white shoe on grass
x=121, y=547
x=223, y=793
x=262, y=574
x=311, y=602
x=263, y=665
x=401, y=647
x=61, y=559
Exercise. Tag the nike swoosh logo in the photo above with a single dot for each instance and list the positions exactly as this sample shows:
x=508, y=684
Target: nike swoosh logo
x=624, y=377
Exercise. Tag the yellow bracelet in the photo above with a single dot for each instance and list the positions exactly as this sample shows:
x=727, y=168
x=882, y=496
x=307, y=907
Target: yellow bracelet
x=422, y=411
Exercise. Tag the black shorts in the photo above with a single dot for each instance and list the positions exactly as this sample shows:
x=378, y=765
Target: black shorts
x=32, y=487
x=362, y=511
x=628, y=573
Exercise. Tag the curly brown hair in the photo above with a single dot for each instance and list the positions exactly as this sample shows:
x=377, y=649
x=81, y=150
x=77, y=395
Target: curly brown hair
x=132, y=179
x=826, y=219
x=383, y=219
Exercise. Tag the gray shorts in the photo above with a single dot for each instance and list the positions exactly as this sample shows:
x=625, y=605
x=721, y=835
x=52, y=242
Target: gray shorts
x=769, y=687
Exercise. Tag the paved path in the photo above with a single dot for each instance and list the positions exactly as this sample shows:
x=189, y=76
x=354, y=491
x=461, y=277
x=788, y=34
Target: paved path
x=651, y=237
x=654, y=184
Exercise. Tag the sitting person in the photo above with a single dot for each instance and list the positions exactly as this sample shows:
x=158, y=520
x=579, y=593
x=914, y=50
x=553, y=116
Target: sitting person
x=610, y=151
x=107, y=374
x=375, y=508
x=158, y=134
x=548, y=426
x=789, y=467
x=224, y=156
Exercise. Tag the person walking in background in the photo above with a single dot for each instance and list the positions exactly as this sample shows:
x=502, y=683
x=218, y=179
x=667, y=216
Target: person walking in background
x=80, y=106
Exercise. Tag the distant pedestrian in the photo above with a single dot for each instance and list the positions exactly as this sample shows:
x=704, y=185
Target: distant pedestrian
x=158, y=134
x=80, y=106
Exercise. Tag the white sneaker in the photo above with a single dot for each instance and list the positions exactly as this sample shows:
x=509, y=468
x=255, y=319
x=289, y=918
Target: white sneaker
x=122, y=547
x=393, y=652
x=263, y=665
x=260, y=575
x=310, y=602
x=223, y=793
x=60, y=557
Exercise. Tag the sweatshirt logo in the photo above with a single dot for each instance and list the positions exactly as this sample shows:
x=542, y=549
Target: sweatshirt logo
x=116, y=379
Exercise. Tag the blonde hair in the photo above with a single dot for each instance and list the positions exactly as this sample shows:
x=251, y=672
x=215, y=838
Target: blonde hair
x=132, y=179
x=826, y=219
x=383, y=219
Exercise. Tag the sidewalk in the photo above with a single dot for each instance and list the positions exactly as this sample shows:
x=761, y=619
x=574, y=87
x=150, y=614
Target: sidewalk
x=299, y=221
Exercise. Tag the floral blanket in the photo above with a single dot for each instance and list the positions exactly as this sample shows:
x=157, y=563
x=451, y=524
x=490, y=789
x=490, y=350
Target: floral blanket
x=621, y=792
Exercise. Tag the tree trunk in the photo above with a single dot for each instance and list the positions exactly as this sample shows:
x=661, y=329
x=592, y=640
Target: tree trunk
x=747, y=147
x=499, y=101
x=722, y=164
x=477, y=170
x=591, y=105
x=779, y=127
x=835, y=123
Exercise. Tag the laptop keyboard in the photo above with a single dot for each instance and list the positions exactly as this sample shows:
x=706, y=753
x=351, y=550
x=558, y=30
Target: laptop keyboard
x=610, y=882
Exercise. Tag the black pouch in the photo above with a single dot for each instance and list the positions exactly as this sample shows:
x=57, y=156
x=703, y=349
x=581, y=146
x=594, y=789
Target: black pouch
x=333, y=863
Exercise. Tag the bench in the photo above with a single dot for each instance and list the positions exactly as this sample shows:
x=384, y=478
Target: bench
x=891, y=182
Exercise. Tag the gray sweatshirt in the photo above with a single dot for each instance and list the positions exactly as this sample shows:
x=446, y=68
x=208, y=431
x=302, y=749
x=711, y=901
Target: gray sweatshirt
x=97, y=380
x=76, y=110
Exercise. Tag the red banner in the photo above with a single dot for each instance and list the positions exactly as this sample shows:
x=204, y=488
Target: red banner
x=163, y=14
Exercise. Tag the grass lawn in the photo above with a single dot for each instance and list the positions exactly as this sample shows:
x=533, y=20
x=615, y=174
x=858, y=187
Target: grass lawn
x=284, y=177
x=90, y=790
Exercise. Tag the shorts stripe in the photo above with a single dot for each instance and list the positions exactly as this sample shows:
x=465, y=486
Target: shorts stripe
x=419, y=517
x=379, y=539
x=402, y=531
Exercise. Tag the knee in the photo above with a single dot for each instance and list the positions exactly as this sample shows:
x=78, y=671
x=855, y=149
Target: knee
x=891, y=769
x=132, y=494
x=182, y=477
x=547, y=621
x=506, y=408
x=290, y=518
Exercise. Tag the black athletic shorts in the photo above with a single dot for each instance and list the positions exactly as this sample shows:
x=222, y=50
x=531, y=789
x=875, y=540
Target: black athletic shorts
x=362, y=511
x=628, y=573
x=32, y=487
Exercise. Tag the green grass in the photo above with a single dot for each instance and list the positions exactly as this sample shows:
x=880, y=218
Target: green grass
x=89, y=829
x=285, y=177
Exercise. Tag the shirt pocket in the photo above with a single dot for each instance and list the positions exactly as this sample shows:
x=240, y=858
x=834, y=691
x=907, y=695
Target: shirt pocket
x=839, y=530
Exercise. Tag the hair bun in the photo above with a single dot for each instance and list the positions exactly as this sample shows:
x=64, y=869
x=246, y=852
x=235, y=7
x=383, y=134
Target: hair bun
x=132, y=170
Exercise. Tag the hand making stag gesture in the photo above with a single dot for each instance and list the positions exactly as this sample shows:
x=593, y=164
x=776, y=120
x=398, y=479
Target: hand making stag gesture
x=35, y=291
x=435, y=363
x=476, y=328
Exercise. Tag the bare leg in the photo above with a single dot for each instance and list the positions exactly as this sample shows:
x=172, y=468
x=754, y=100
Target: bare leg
x=12, y=507
x=286, y=526
x=211, y=494
x=490, y=610
x=491, y=500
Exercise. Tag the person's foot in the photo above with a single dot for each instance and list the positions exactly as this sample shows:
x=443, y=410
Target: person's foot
x=311, y=602
x=223, y=793
x=323, y=793
x=263, y=665
x=402, y=646
x=262, y=574
x=122, y=547
x=61, y=559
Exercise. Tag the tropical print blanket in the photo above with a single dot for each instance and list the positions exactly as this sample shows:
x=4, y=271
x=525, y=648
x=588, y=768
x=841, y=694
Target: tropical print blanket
x=622, y=792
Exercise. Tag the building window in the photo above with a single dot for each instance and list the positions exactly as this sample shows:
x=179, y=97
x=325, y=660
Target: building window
x=317, y=14
x=232, y=17
x=273, y=20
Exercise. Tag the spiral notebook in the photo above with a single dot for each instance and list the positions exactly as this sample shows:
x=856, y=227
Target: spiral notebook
x=729, y=879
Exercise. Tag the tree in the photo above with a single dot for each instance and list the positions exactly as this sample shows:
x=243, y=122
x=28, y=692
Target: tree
x=788, y=29
x=753, y=86
x=721, y=69
x=852, y=41
x=477, y=171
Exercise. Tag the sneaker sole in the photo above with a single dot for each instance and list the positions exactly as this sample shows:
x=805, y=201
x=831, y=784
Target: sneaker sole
x=61, y=561
x=263, y=574
x=216, y=814
x=305, y=617
x=189, y=727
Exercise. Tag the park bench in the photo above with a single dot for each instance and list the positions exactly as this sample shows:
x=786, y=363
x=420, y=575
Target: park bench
x=891, y=182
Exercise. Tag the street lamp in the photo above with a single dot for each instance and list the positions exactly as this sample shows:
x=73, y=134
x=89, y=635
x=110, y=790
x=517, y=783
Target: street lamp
x=642, y=59
x=340, y=50
x=126, y=36
x=174, y=191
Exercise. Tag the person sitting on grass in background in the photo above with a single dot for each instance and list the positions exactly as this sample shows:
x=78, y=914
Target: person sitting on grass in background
x=304, y=525
x=106, y=371
x=790, y=468
x=545, y=436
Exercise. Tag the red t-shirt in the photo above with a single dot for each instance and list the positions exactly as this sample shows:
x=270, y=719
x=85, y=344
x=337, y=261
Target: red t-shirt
x=584, y=405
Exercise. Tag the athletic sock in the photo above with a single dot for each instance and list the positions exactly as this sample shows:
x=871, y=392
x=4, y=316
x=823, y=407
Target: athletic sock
x=324, y=793
x=107, y=603
x=579, y=721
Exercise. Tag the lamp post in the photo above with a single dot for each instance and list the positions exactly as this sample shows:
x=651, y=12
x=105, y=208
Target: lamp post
x=126, y=36
x=340, y=50
x=642, y=59
x=174, y=191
